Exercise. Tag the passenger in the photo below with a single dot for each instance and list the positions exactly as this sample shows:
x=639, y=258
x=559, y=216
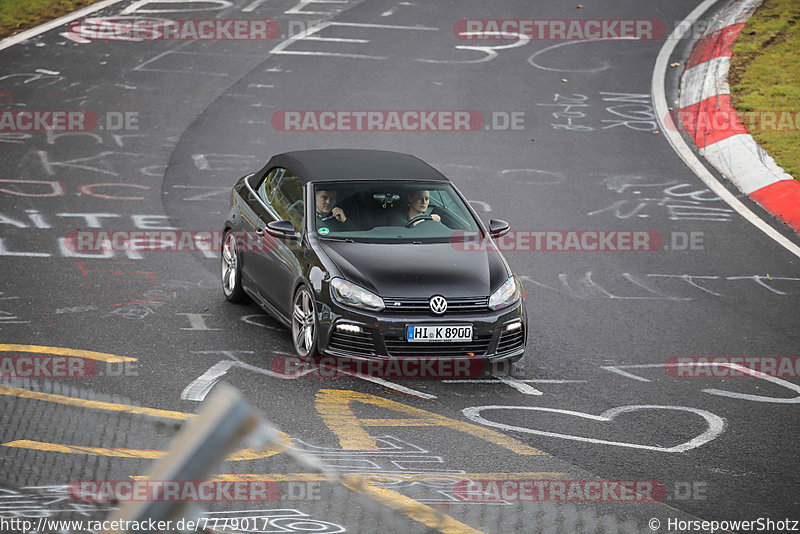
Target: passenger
x=418, y=205
x=328, y=214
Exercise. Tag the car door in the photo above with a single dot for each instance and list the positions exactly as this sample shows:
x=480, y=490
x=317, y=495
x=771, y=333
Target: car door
x=275, y=266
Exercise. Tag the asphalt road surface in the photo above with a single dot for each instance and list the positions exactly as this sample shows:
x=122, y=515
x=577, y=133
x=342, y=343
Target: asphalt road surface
x=593, y=399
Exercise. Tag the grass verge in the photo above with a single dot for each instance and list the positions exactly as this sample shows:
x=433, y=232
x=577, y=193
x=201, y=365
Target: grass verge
x=765, y=78
x=19, y=15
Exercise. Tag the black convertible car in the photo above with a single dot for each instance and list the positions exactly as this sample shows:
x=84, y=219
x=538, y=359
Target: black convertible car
x=361, y=253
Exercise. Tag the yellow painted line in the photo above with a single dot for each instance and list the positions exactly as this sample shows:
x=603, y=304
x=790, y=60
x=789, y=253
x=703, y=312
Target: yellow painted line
x=60, y=351
x=335, y=408
x=77, y=449
x=398, y=422
x=390, y=498
x=111, y=406
x=291, y=477
x=389, y=477
x=98, y=405
x=252, y=454
x=244, y=454
x=413, y=509
x=537, y=475
x=365, y=483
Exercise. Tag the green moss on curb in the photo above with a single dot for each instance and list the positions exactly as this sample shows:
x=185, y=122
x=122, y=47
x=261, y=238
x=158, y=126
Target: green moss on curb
x=765, y=77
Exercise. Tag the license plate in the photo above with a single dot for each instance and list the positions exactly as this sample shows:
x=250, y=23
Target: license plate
x=444, y=333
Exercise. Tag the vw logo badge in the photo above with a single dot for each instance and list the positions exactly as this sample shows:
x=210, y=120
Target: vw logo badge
x=438, y=304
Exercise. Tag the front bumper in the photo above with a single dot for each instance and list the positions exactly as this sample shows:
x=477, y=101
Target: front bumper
x=382, y=334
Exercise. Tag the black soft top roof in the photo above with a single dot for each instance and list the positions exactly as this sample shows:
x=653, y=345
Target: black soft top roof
x=353, y=164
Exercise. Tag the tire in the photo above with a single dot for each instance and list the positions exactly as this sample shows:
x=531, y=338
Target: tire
x=231, y=270
x=304, y=323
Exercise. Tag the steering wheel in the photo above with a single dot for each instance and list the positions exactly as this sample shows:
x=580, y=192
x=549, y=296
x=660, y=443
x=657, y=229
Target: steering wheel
x=417, y=219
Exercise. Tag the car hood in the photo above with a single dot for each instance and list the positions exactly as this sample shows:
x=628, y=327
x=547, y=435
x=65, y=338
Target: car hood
x=406, y=270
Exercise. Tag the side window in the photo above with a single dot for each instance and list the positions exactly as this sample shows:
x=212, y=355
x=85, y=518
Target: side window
x=283, y=191
x=455, y=208
x=436, y=198
x=266, y=187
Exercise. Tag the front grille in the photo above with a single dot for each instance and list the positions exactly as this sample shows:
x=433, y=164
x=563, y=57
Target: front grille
x=398, y=346
x=420, y=306
x=360, y=344
x=510, y=341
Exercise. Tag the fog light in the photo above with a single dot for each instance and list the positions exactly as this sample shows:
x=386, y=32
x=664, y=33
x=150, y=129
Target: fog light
x=516, y=325
x=351, y=328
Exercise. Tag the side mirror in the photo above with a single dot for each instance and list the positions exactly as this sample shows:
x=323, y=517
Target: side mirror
x=498, y=228
x=282, y=229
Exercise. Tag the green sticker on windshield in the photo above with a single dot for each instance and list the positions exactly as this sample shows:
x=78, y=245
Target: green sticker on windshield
x=323, y=231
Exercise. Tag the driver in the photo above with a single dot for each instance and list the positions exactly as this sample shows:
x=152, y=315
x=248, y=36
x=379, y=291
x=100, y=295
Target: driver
x=418, y=206
x=328, y=214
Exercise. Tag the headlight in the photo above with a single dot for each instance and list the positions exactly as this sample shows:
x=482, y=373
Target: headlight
x=352, y=295
x=506, y=295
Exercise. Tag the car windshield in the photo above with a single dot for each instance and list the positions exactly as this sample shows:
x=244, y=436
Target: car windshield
x=391, y=212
